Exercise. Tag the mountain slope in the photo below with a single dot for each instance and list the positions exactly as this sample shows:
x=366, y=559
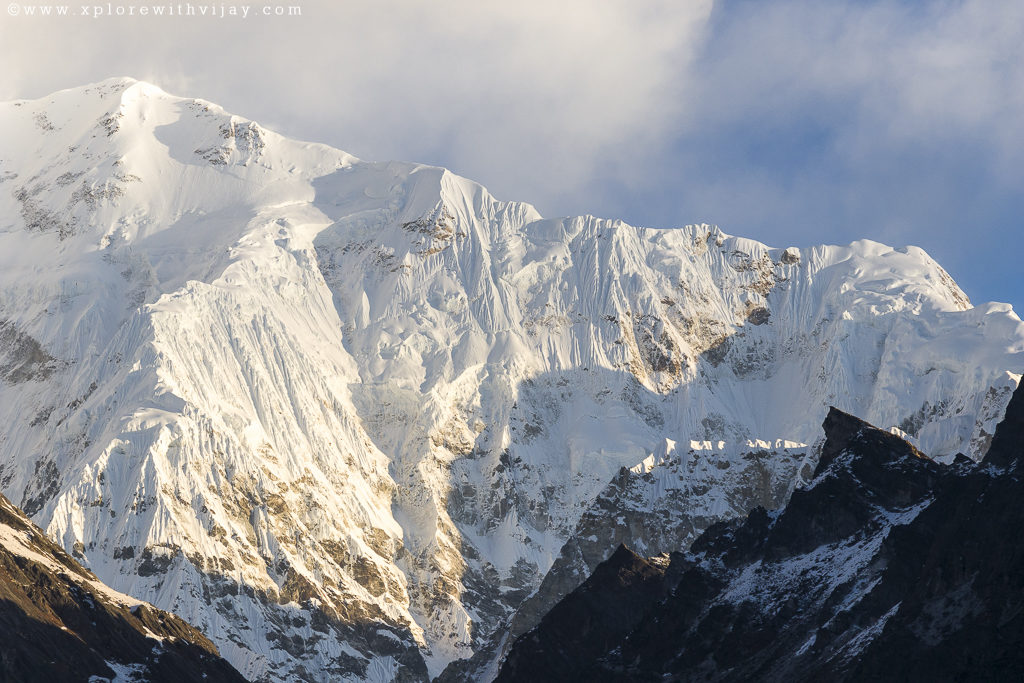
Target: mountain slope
x=352, y=419
x=59, y=623
x=887, y=566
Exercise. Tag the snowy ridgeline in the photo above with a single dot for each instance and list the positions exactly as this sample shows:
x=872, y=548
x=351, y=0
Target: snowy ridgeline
x=345, y=417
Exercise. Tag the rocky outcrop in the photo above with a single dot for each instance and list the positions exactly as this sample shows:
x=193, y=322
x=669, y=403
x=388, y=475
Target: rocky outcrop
x=59, y=623
x=590, y=621
x=887, y=566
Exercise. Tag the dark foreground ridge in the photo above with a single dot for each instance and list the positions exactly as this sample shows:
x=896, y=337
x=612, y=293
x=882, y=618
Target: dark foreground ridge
x=58, y=623
x=887, y=566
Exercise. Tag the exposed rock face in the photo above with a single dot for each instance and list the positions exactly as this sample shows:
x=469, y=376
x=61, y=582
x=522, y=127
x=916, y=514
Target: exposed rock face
x=887, y=566
x=591, y=621
x=21, y=356
x=662, y=505
x=59, y=623
x=353, y=419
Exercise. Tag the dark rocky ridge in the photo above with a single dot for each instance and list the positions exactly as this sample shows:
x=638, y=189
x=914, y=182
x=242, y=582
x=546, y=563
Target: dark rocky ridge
x=888, y=566
x=58, y=624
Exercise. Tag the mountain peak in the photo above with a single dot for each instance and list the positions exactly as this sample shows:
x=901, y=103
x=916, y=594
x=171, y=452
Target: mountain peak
x=316, y=404
x=842, y=429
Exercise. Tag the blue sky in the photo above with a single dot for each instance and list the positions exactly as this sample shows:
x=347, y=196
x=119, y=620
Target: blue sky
x=844, y=156
x=888, y=121
x=790, y=121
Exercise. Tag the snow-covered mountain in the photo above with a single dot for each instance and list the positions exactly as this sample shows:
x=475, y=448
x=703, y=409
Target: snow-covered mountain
x=353, y=419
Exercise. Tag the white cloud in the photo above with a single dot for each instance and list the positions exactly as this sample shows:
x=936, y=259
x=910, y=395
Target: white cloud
x=526, y=96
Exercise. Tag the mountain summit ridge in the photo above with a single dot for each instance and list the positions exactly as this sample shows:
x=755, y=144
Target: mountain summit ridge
x=351, y=419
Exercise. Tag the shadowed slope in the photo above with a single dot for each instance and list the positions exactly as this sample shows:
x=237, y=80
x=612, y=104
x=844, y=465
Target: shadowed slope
x=59, y=623
x=887, y=565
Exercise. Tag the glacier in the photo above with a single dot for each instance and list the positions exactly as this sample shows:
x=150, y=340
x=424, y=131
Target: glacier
x=363, y=421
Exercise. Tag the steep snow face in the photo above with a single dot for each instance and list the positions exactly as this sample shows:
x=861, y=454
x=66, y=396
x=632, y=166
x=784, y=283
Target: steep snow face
x=344, y=416
x=183, y=417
